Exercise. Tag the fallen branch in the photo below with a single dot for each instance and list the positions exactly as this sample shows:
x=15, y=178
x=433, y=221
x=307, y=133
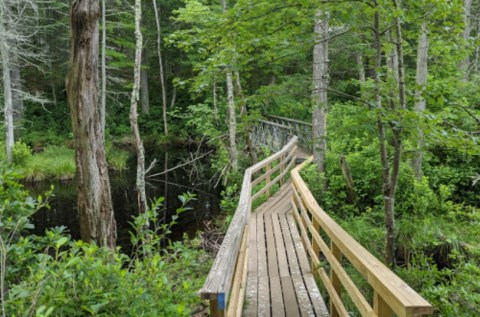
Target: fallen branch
x=181, y=165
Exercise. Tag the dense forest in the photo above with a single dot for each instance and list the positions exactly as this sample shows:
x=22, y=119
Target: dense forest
x=390, y=87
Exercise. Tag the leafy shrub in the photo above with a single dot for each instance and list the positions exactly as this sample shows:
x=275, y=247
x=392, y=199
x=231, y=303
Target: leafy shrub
x=21, y=153
x=52, y=275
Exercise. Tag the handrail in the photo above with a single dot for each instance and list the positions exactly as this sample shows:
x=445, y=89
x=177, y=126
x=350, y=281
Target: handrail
x=391, y=294
x=290, y=120
x=225, y=276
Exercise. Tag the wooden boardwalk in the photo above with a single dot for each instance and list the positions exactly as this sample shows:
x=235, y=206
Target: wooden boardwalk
x=279, y=278
x=262, y=268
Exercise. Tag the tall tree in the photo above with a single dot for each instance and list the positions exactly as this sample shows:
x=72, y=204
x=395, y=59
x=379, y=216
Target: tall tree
x=103, y=105
x=232, y=115
x=140, y=180
x=160, y=63
x=97, y=222
x=465, y=63
x=319, y=92
x=7, y=84
x=420, y=101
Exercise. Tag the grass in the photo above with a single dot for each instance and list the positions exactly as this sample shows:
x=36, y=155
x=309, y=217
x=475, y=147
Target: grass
x=55, y=162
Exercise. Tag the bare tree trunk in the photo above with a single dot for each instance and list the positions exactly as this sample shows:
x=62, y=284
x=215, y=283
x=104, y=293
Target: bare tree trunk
x=232, y=123
x=7, y=92
x=360, y=67
x=103, y=66
x=420, y=102
x=97, y=222
x=215, y=98
x=160, y=62
x=17, y=99
x=7, y=86
x=140, y=181
x=144, y=86
x=319, y=93
x=243, y=105
x=465, y=63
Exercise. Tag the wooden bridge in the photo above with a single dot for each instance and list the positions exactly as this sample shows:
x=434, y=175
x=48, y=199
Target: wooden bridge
x=280, y=243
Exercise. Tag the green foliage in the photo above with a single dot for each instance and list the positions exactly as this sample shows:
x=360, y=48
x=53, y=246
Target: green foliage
x=21, y=153
x=116, y=157
x=55, y=162
x=52, y=275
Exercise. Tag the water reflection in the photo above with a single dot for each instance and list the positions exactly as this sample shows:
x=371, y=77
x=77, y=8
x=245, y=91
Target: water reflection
x=195, y=178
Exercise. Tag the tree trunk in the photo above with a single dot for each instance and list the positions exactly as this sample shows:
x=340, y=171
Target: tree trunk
x=140, y=181
x=232, y=123
x=17, y=99
x=360, y=67
x=420, y=102
x=97, y=222
x=144, y=85
x=465, y=63
x=388, y=211
x=160, y=62
x=7, y=91
x=319, y=93
x=103, y=66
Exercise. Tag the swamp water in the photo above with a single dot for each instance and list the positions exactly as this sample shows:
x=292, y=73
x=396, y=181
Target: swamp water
x=195, y=178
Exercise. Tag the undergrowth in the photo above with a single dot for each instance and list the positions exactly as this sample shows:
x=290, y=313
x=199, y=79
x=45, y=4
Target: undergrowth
x=53, y=275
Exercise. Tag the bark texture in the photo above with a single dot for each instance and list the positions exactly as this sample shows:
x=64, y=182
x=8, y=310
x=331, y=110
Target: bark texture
x=7, y=90
x=97, y=222
x=465, y=63
x=420, y=102
x=144, y=85
x=160, y=63
x=232, y=123
x=319, y=93
x=140, y=181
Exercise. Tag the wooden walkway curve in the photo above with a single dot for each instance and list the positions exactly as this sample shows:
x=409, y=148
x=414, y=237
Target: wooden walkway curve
x=276, y=250
x=280, y=281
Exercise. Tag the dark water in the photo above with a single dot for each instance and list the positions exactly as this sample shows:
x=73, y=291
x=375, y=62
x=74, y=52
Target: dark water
x=195, y=178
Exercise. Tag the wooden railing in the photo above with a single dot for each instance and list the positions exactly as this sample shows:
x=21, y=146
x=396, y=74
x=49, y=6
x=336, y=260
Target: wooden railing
x=390, y=294
x=302, y=129
x=225, y=284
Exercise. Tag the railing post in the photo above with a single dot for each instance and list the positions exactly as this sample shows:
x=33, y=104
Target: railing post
x=282, y=169
x=268, y=179
x=380, y=307
x=315, y=246
x=214, y=311
x=337, y=285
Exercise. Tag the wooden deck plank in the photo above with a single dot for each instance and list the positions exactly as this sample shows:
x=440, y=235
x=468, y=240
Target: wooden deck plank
x=289, y=297
x=252, y=296
x=276, y=296
x=300, y=290
x=252, y=247
x=283, y=269
x=280, y=282
x=271, y=248
x=263, y=296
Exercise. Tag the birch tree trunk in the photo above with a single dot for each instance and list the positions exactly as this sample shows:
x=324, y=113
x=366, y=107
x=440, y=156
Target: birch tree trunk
x=232, y=119
x=232, y=123
x=97, y=222
x=7, y=86
x=160, y=62
x=17, y=98
x=420, y=102
x=7, y=89
x=140, y=180
x=319, y=93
